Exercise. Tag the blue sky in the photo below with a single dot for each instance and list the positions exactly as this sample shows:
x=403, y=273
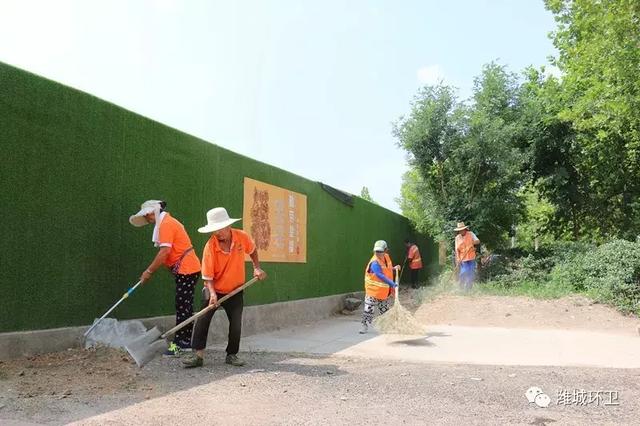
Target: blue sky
x=311, y=87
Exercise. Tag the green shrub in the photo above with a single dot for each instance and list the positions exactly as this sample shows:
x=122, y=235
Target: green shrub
x=568, y=274
x=609, y=273
x=612, y=274
x=565, y=251
x=515, y=267
x=499, y=265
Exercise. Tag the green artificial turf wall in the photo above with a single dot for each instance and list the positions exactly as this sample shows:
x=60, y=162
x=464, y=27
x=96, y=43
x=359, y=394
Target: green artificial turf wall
x=74, y=168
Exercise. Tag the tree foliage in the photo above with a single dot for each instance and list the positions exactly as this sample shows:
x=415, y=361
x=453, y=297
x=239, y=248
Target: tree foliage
x=572, y=140
x=599, y=55
x=532, y=231
x=464, y=157
x=366, y=195
x=553, y=155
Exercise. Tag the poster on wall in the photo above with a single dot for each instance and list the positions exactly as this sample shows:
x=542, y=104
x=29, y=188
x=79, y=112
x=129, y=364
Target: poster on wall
x=276, y=219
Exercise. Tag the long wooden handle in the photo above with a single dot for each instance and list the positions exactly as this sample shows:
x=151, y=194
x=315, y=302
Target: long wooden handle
x=466, y=253
x=210, y=307
x=402, y=269
x=397, y=287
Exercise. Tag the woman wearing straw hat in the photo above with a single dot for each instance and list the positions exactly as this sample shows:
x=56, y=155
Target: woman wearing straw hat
x=378, y=282
x=465, y=250
x=176, y=253
x=222, y=272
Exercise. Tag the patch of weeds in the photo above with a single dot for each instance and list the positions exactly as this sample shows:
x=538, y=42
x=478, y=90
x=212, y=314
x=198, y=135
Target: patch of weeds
x=609, y=273
x=533, y=289
x=442, y=284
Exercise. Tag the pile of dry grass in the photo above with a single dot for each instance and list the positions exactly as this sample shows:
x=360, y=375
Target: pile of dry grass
x=398, y=320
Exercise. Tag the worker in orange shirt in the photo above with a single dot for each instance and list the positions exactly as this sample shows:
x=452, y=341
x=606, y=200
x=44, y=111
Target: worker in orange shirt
x=415, y=261
x=176, y=253
x=465, y=248
x=222, y=272
x=378, y=283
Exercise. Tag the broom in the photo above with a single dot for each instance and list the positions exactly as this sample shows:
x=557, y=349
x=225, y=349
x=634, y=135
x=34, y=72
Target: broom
x=398, y=320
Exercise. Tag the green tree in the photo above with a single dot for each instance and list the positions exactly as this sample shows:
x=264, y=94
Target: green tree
x=599, y=56
x=365, y=195
x=465, y=159
x=421, y=207
x=552, y=154
x=533, y=230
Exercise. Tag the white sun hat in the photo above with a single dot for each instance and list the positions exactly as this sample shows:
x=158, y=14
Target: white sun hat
x=380, y=245
x=149, y=206
x=217, y=219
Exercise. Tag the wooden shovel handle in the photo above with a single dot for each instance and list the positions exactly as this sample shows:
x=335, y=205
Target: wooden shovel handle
x=465, y=253
x=210, y=307
x=397, y=285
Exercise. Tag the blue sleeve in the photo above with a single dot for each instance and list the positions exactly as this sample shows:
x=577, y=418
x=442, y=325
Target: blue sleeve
x=376, y=269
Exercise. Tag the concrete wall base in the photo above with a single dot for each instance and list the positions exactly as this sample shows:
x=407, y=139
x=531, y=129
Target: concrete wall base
x=256, y=319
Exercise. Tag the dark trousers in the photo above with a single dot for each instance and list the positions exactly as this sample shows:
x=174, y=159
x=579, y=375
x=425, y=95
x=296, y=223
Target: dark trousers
x=233, y=308
x=414, y=277
x=185, y=285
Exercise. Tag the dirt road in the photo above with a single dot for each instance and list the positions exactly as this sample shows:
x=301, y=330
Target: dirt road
x=105, y=387
x=568, y=313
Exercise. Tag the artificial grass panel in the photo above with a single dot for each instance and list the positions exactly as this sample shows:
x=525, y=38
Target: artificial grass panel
x=75, y=167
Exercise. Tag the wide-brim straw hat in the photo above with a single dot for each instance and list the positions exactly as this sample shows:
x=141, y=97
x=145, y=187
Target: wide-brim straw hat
x=217, y=219
x=461, y=226
x=149, y=206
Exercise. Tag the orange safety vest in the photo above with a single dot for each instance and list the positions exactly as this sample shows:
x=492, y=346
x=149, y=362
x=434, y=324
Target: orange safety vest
x=414, y=255
x=373, y=286
x=465, y=245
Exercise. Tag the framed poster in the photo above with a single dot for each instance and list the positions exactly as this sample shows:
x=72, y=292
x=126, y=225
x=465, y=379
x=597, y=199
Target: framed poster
x=276, y=219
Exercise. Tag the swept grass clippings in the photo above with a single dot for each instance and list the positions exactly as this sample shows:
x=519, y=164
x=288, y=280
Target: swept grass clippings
x=398, y=320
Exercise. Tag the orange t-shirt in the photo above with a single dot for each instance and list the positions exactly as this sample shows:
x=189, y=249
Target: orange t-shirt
x=226, y=270
x=172, y=234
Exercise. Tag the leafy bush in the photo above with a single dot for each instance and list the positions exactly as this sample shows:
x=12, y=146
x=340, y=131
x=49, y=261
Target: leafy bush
x=565, y=251
x=609, y=273
x=497, y=265
x=515, y=266
x=509, y=272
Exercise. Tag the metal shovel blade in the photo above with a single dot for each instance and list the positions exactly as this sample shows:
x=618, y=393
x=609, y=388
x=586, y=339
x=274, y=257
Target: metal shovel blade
x=146, y=347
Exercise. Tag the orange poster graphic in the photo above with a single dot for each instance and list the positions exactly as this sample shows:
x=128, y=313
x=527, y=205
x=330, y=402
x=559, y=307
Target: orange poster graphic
x=276, y=219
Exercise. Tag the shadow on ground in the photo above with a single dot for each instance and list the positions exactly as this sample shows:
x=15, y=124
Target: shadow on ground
x=421, y=341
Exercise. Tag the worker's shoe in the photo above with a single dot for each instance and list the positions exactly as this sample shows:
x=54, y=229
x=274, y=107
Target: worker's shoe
x=192, y=361
x=364, y=328
x=172, y=351
x=234, y=360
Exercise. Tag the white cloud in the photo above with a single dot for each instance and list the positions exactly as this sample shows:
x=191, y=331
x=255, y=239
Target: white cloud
x=430, y=74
